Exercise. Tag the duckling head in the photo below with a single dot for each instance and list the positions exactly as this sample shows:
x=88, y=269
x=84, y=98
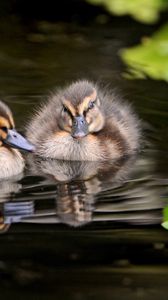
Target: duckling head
x=81, y=113
x=8, y=134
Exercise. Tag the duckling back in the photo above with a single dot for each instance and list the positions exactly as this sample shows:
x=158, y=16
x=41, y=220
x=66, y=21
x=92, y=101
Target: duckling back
x=84, y=122
x=122, y=124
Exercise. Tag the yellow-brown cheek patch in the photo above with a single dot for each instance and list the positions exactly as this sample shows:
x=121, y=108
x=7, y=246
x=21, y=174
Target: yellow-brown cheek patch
x=88, y=119
x=67, y=128
x=3, y=134
x=84, y=105
x=70, y=123
x=92, y=138
x=61, y=134
x=4, y=122
x=97, y=123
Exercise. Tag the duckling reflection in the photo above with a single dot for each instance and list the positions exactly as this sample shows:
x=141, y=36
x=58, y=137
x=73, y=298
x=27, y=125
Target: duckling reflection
x=74, y=204
x=85, y=123
x=77, y=184
x=8, y=188
x=11, y=161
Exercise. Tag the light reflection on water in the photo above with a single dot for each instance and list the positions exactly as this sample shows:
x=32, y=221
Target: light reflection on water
x=78, y=193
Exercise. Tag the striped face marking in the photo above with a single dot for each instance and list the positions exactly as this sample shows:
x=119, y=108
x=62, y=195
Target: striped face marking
x=6, y=123
x=82, y=107
x=4, y=126
x=83, y=117
x=69, y=107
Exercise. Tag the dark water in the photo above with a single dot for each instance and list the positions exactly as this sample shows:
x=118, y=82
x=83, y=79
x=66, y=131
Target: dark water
x=82, y=230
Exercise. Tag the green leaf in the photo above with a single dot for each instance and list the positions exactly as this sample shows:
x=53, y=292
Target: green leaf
x=146, y=11
x=165, y=218
x=150, y=58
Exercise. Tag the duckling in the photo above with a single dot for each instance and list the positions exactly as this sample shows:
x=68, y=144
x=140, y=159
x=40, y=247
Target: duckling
x=84, y=123
x=11, y=161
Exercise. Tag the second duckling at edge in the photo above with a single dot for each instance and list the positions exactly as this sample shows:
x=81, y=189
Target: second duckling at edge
x=84, y=122
x=11, y=161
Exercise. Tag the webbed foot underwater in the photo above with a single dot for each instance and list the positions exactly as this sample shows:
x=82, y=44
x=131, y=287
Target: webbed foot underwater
x=11, y=161
x=84, y=122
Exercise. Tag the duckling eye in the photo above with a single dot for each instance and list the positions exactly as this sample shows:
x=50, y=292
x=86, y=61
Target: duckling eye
x=65, y=109
x=91, y=105
x=5, y=129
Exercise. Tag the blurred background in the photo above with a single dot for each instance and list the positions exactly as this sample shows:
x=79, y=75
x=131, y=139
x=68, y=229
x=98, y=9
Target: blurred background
x=148, y=54
x=102, y=235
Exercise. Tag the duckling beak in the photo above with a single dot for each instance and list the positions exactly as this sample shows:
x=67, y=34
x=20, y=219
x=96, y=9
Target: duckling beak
x=16, y=140
x=79, y=127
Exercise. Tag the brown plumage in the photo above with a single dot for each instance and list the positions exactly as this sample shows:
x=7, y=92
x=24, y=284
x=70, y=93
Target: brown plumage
x=84, y=122
x=11, y=161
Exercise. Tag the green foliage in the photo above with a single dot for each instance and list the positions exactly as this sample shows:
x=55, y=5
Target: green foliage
x=151, y=57
x=146, y=11
x=165, y=218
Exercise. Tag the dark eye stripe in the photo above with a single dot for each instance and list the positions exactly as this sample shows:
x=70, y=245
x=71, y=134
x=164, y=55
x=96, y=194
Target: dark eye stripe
x=5, y=129
x=91, y=104
x=65, y=109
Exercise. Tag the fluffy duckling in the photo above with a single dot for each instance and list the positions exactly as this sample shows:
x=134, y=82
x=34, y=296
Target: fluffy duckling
x=84, y=122
x=11, y=161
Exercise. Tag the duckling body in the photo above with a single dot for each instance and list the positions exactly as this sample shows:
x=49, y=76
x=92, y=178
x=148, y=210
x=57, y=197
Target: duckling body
x=83, y=122
x=11, y=161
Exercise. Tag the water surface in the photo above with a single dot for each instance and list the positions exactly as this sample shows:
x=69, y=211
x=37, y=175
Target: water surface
x=83, y=230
